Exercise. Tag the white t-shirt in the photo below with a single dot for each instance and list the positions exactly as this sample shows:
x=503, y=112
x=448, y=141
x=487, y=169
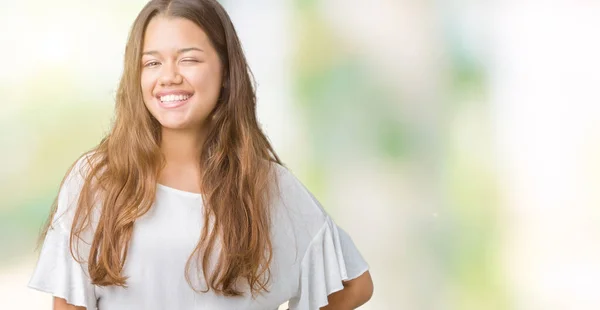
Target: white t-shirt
x=311, y=255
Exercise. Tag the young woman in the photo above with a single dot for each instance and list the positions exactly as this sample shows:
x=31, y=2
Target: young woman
x=184, y=204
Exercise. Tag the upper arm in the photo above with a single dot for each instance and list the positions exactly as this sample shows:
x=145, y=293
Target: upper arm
x=61, y=304
x=362, y=285
x=356, y=292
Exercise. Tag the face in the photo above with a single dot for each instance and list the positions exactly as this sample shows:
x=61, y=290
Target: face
x=181, y=73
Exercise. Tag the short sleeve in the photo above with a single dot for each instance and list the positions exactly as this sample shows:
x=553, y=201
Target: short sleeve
x=57, y=272
x=330, y=259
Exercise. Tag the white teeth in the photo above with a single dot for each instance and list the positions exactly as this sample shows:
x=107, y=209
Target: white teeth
x=174, y=98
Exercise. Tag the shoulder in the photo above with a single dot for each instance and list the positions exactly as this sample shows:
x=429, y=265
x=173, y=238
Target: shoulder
x=295, y=206
x=69, y=191
x=292, y=188
x=75, y=177
x=79, y=169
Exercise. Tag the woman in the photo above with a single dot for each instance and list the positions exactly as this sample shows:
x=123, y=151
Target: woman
x=184, y=204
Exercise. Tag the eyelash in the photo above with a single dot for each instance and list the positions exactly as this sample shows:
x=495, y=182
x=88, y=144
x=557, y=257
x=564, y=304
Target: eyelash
x=149, y=64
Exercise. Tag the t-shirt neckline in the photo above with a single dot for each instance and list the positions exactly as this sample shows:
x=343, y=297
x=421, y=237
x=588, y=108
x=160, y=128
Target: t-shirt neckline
x=178, y=191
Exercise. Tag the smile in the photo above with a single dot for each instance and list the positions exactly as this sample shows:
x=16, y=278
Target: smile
x=173, y=101
x=172, y=98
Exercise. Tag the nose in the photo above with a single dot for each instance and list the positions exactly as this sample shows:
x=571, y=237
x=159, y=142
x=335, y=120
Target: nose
x=170, y=75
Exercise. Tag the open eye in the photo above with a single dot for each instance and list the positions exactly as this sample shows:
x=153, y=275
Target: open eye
x=151, y=63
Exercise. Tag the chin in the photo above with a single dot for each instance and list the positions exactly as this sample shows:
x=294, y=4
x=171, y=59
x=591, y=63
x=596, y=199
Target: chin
x=181, y=124
x=175, y=125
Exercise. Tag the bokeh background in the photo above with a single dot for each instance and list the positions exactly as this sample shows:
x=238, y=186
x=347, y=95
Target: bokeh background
x=458, y=142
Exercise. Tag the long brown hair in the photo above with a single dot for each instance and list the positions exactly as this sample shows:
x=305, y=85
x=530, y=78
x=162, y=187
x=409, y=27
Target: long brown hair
x=236, y=162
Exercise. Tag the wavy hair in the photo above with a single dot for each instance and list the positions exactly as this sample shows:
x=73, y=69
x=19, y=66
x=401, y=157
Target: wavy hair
x=236, y=160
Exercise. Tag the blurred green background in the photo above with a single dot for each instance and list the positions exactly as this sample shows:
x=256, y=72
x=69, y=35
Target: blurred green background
x=456, y=142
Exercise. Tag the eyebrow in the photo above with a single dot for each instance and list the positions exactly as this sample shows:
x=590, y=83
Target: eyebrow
x=180, y=51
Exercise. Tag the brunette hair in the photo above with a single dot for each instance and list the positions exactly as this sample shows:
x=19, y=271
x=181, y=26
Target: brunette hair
x=237, y=167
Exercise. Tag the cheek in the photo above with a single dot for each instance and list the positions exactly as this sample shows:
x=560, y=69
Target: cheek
x=202, y=80
x=206, y=79
x=146, y=82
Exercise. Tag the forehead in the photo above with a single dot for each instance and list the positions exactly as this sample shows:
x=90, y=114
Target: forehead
x=170, y=33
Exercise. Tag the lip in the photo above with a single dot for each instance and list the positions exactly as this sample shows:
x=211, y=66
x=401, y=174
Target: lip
x=173, y=105
x=172, y=92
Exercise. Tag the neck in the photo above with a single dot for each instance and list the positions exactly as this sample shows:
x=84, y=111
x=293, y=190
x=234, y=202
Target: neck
x=182, y=148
